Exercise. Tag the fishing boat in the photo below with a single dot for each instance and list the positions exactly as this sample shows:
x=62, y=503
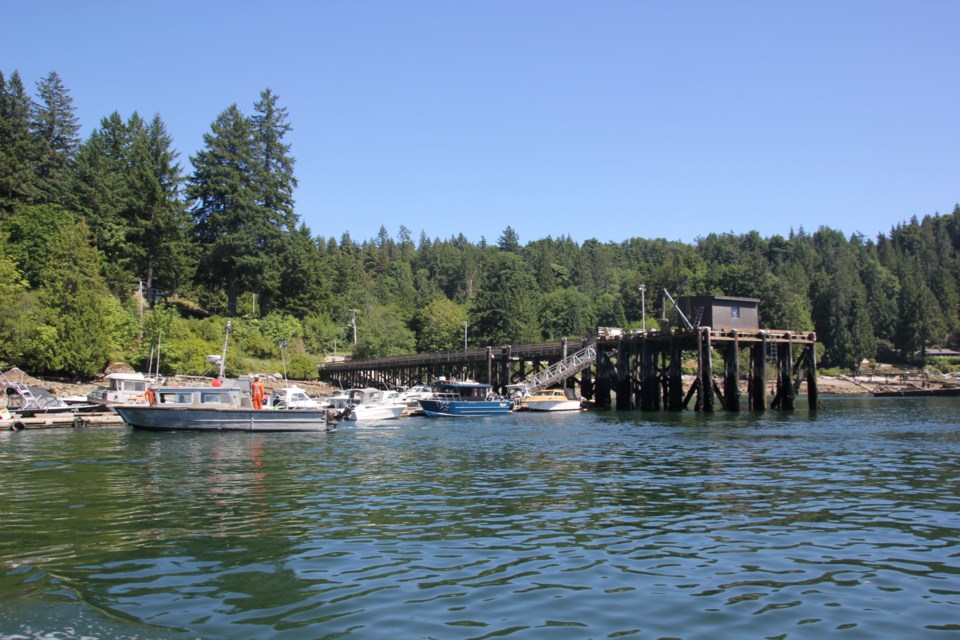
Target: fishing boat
x=552, y=400
x=225, y=408
x=453, y=398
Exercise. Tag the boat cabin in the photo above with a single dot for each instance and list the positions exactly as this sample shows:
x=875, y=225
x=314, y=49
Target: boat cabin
x=466, y=390
x=194, y=397
x=121, y=388
x=291, y=398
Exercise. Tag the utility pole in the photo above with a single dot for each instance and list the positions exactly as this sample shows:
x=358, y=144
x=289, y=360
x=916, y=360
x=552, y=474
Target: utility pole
x=643, y=306
x=354, y=324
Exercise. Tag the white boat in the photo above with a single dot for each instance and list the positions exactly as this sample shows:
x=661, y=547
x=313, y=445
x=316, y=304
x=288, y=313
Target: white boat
x=371, y=404
x=412, y=397
x=552, y=400
x=292, y=398
x=226, y=408
x=121, y=388
x=27, y=400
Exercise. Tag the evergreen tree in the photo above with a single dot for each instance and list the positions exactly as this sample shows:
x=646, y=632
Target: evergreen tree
x=226, y=207
x=274, y=183
x=509, y=240
x=160, y=226
x=56, y=130
x=505, y=309
x=18, y=148
x=69, y=334
x=12, y=289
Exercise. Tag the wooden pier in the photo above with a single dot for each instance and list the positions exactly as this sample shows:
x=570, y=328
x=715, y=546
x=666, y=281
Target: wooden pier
x=61, y=420
x=754, y=369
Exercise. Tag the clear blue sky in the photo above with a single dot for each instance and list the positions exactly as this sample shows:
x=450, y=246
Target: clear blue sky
x=610, y=119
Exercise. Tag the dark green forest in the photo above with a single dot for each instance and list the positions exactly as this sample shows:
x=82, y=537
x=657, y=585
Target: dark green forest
x=112, y=250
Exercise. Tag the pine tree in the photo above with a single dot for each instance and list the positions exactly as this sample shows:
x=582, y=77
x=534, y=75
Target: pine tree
x=225, y=207
x=274, y=182
x=56, y=130
x=18, y=150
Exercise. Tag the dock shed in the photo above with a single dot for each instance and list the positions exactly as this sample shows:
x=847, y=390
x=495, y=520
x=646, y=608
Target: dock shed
x=721, y=312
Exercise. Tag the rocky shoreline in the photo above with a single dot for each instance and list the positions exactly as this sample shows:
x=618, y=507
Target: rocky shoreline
x=826, y=385
x=69, y=388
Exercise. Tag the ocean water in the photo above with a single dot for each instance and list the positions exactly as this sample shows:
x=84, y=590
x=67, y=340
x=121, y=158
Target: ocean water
x=844, y=522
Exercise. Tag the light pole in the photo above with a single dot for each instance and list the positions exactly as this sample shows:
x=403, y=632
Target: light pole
x=354, y=323
x=643, y=307
x=464, y=335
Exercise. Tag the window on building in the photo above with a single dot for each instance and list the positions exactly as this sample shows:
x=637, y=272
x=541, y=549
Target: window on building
x=734, y=312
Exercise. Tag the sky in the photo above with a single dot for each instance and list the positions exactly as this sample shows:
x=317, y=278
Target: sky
x=607, y=119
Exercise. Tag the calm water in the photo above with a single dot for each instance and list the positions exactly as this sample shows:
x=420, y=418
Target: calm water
x=845, y=523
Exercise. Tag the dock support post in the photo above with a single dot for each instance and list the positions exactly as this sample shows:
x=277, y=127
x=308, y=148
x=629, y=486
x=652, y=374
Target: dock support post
x=705, y=397
x=786, y=394
x=649, y=389
x=505, y=369
x=624, y=397
x=675, y=377
x=731, y=375
x=758, y=374
x=813, y=400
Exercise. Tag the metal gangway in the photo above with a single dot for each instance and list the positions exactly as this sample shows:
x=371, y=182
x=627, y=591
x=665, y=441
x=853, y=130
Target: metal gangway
x=556, y=372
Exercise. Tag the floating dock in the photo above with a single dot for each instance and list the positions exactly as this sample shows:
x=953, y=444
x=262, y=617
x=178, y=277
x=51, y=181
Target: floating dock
x=61, y=420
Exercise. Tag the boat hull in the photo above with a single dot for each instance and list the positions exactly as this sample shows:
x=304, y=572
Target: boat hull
x=200, y=419
x=553, y=405
x=458, y=409
x=362, y=413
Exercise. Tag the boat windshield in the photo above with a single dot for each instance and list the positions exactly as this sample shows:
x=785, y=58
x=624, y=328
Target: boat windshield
x=214, y=397
x=176, y=397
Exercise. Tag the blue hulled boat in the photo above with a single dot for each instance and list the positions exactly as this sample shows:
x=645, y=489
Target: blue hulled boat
x=467, y=398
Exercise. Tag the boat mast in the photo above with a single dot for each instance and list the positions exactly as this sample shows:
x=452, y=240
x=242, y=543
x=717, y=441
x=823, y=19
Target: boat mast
x=223, y=358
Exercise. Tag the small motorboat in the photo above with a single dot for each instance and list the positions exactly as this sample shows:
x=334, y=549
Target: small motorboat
x=552, y=400
x=372, y=404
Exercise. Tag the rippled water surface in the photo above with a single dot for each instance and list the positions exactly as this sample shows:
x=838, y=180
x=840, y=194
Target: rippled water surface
x=596, y=525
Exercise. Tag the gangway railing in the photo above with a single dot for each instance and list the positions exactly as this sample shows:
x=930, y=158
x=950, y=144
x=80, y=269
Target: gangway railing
x=556, y=372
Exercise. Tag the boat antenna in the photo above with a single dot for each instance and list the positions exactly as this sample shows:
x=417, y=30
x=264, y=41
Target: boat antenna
x=223, y=358
x=159, y=337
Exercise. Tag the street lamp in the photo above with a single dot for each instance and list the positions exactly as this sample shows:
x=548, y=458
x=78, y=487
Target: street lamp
x=643, y=306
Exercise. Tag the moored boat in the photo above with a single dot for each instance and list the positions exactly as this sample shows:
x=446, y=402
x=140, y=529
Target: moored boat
x=371, y=404
x=121, y=388
x=464, y=398
x=292, y=397
x=225, y=408
x=28, y=400
x=552, y=400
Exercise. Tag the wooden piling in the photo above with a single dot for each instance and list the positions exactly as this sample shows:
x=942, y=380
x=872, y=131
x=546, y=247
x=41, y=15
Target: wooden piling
x=813, y=400
x=705, y=397
x=758, y=374
x=731, y=375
